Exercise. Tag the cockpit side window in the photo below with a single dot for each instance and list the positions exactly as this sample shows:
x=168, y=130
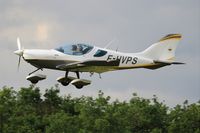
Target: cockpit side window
x=100, y=53
x=60, y=49
x=75, y=49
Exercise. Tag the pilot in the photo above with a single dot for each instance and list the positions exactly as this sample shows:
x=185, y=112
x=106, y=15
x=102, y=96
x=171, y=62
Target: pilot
x=74, y=48
x=77, y=49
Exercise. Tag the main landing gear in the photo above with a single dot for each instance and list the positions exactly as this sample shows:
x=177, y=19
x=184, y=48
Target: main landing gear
x=77, y=82
x=65, y=80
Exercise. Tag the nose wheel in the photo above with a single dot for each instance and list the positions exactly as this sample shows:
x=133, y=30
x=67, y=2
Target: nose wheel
x=35, y=78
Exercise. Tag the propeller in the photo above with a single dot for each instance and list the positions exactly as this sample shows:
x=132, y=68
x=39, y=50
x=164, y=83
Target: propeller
x=18, y=44
x=19, y=61
x=19, y=52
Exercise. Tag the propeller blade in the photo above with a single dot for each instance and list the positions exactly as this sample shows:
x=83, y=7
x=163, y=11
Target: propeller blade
x=19, y=52
x=19, y=44
x=19, y=61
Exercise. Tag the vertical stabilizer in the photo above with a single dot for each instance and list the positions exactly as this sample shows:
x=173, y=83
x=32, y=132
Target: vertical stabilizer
x=164, y=49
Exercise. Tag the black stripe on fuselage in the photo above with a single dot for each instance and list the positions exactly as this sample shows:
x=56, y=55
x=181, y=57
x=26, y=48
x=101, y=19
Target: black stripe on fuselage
x=102, y=63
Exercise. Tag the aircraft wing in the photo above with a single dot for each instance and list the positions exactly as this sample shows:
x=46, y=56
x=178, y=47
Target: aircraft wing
x=88, y=64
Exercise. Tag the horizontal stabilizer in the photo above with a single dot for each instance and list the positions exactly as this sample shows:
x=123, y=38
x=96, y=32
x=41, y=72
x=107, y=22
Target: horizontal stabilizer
x=178, y=63
x=167, y=62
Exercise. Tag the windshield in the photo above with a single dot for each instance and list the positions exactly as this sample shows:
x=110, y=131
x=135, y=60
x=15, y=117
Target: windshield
x=75, y=49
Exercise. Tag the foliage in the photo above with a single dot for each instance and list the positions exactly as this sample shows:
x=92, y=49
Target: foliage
x=27, y=110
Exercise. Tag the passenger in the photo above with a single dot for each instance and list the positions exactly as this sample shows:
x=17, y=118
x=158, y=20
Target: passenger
x=79, y=48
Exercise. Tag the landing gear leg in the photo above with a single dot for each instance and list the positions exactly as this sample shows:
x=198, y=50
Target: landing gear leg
x=77, y=74
x=66, y=74
x=35, y=71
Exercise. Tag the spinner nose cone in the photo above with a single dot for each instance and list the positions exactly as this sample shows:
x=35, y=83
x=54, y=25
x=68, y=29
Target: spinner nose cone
x=18, y=52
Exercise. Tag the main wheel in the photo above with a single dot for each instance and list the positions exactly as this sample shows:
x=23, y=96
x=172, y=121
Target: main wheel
x=34, y=82
x=79, y=86
x=65, y=83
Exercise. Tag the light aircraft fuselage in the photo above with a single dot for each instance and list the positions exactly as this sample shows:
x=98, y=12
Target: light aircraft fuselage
x=108, y=61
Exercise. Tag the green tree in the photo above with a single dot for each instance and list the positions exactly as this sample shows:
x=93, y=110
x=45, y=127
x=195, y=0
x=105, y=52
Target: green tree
x=26, y=116
x=25, y=111
x=185, y=118
x=62, y=122
x=52, y=101
x=7, y=106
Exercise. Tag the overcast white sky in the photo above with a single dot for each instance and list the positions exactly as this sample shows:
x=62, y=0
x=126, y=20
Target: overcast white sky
x=135, y=24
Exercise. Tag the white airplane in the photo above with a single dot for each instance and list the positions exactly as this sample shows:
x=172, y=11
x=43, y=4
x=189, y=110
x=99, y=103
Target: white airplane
x=85, y=58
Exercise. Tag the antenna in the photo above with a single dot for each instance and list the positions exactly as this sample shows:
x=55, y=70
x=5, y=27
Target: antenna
x=117, y=48
x=110, y=43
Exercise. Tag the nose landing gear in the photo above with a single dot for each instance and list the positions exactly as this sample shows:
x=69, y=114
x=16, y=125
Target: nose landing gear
x=35, y=78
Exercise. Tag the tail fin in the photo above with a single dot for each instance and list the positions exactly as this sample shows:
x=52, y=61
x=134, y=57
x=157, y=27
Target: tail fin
x=164, y=49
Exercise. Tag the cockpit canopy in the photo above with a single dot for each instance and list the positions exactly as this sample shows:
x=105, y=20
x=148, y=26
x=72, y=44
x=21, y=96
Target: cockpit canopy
x=75, y=49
